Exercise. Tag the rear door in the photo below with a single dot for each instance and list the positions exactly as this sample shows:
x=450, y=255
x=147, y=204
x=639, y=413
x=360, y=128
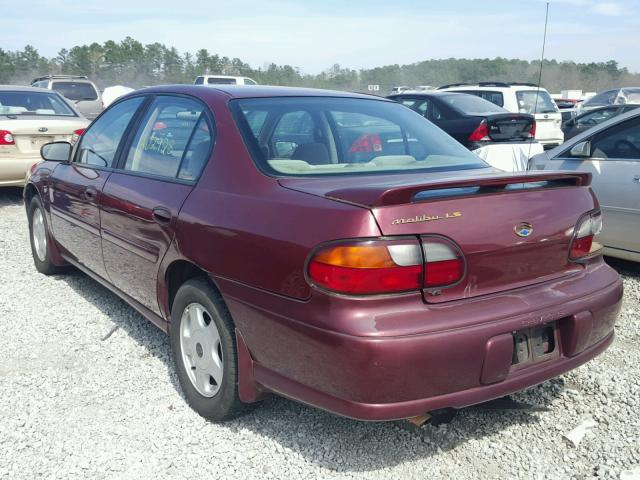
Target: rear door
x=615, y=166
x=141, y=200
x=76, y=187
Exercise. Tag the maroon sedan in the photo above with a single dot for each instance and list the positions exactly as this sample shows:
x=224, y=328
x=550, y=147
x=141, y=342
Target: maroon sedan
x=333, y=248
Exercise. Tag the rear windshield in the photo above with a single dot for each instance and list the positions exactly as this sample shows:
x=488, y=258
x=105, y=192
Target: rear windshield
x=221, y=81
x=344, y=136
x=534, y=101
x=470, y=104
x=75, y=90
x=33, y=103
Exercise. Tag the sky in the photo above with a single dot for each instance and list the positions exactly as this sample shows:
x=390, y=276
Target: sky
x=313, y=35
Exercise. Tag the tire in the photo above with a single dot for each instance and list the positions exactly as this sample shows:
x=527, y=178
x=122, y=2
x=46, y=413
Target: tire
x=40, y=238
x=194, y=344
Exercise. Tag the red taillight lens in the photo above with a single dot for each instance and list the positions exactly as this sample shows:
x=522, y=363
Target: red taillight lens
x=532, y=131
x=386, y=266
x=588, y=227
x=367, y=267
x=481, y=133
x=444, y=263
x=6, y=138
x=366, y=143
x=76, y=135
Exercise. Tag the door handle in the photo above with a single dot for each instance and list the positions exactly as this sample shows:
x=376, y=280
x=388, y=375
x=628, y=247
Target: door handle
x=90, y=193
x=161, y=216
x=636, y=179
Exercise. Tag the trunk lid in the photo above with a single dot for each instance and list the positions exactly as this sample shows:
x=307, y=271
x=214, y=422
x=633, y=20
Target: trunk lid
x=548, y=125
x=481, y=214
x=509, y=127
x=30, y=133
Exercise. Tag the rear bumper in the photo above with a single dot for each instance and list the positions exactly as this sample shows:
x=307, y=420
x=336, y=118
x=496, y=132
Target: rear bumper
x=13, y=171
x=459, y=355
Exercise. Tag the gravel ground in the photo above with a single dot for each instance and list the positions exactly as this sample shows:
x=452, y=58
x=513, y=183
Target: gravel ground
x=87, y=390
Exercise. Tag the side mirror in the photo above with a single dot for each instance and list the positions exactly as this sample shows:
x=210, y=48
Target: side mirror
x=56, y=151
x=581, y=150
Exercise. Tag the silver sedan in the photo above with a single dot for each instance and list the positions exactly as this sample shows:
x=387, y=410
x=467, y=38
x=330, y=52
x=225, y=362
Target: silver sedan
x=611, y=152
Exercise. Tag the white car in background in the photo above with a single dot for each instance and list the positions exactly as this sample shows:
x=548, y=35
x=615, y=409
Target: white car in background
x=29, y=118
x=223, y=80
x=615, y=96
x=520, y=98
x=611, y=153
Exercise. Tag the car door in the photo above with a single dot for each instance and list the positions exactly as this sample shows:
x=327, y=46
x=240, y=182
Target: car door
x=156, y=171
x=76, y=186
x=615, y=166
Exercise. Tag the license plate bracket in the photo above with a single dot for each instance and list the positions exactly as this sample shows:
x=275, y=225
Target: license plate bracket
x=532, y=345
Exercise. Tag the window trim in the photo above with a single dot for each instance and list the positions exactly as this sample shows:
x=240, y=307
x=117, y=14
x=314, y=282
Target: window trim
x=130, y=136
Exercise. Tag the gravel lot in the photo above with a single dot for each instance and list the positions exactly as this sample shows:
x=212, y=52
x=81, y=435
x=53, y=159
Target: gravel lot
x=87, y=390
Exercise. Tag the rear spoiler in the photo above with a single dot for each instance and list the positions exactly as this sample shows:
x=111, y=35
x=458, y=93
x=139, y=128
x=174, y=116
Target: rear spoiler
x=376, y=196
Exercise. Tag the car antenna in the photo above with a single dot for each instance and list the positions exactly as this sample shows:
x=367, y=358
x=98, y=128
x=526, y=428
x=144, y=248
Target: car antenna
x=544, y=43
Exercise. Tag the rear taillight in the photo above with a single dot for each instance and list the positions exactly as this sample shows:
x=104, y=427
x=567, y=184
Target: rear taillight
x=481, y=133
x=374, y=266
x=6, y=138
x=444, y=263
x=582, y=244
x=367, y=143
x=532, y=130
x=76, y=135
x=386, y=266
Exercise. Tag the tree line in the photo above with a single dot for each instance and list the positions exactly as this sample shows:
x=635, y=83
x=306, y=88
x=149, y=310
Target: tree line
x=133, y=64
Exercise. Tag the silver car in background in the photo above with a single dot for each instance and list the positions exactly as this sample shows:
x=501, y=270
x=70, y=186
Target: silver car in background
x=78, y=89
x=611, y=153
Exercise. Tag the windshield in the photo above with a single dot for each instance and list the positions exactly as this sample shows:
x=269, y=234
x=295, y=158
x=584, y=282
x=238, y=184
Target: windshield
x=534, y=101
x=344, y=136
x=76, y=91
x=33, y=103
x=471, y=105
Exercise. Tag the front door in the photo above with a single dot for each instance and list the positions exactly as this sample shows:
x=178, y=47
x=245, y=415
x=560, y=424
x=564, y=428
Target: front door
x=615, y=166
x=76, y=187
x=142, y=198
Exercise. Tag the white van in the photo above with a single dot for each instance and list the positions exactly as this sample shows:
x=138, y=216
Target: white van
x=520, y=98
x=223, y=80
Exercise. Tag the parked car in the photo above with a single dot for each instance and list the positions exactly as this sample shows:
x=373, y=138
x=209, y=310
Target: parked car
x=245, y=223
x=223, y=80
x=590, y=118
x=610, y=152
x=29, y=118
x=75, y=88
x=400, y=89
x=471, y=120
x=614, y=96
x=520, y=98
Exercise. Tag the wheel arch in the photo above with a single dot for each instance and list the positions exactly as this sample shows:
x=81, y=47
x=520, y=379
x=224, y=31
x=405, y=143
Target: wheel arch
x=176, y=274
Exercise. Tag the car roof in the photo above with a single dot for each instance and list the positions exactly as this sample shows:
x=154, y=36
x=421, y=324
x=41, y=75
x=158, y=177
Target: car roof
x=634, y=112
x=254, y=91
x=22, y=88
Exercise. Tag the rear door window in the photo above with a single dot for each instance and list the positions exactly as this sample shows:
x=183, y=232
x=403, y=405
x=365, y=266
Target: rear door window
x=173, y=140
x=76, y=91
